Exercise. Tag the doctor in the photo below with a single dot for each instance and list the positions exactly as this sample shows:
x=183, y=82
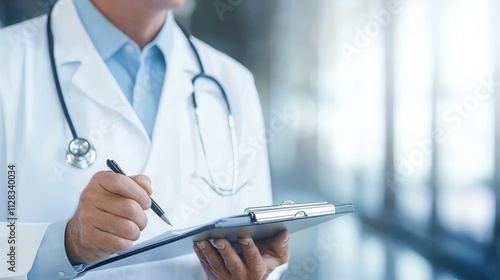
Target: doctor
x=125, y=73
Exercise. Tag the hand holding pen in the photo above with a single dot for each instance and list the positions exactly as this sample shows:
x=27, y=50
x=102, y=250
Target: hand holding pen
x=154, y=206
x=109, y=218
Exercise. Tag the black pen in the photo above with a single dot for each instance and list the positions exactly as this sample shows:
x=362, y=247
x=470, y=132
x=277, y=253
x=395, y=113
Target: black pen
x=156, y=208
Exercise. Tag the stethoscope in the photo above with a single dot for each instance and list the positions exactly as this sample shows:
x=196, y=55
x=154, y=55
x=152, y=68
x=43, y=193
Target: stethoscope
x=81, y=153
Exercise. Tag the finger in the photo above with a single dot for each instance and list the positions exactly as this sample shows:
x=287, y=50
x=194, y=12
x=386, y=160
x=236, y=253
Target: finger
x=203, y=260
x=143, y=181
x=104, y=242
x=124, y=186
x=123, y=207
x=276, y=246
x=214, y=259
x=252, y=256
x=117, y=225
x=232, y=260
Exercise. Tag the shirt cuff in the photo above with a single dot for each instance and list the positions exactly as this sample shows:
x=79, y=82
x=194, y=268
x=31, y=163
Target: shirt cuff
x=51, y=261
x=277, y=272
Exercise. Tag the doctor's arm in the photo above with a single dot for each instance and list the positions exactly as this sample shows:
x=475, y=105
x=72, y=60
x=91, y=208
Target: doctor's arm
x=109, y=217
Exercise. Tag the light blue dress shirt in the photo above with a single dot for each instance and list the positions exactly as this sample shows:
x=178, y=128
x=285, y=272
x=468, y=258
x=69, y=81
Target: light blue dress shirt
x=140, y=75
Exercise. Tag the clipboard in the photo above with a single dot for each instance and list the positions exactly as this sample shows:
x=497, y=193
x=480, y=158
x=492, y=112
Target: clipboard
x=258, y=223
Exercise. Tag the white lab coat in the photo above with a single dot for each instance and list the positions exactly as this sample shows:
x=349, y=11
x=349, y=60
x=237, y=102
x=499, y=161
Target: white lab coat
x=34, y=134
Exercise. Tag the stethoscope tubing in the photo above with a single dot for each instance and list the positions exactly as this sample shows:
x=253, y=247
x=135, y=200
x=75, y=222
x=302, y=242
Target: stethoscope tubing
x=76, y=160
x=55, y=75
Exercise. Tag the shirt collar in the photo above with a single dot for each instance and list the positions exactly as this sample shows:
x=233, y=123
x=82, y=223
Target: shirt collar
x=165, y=38
x=108, y=39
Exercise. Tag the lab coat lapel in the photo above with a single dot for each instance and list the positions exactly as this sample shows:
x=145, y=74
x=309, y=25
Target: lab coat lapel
x=91, y=78
x=171, y=158
x=94, y=80
x=177, y=89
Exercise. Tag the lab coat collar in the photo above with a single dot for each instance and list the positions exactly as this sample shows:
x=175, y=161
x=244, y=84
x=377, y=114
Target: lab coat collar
x=71, y=40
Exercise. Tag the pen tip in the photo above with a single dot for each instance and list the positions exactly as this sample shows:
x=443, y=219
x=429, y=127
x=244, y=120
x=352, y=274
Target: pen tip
x=164, y=218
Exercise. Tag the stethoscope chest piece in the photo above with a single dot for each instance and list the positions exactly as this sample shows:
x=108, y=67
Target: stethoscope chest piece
x=80, y=153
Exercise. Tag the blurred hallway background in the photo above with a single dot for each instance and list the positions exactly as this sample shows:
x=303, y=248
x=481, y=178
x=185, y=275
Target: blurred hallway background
x=390, y=105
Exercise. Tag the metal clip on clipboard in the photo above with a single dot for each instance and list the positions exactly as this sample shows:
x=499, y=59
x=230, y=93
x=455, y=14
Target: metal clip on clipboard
x=289, y=210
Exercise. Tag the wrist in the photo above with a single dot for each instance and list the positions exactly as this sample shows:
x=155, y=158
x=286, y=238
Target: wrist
x=71, y=244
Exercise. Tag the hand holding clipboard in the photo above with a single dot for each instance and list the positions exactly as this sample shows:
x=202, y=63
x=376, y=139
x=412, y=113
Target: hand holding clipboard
x=259, y=223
